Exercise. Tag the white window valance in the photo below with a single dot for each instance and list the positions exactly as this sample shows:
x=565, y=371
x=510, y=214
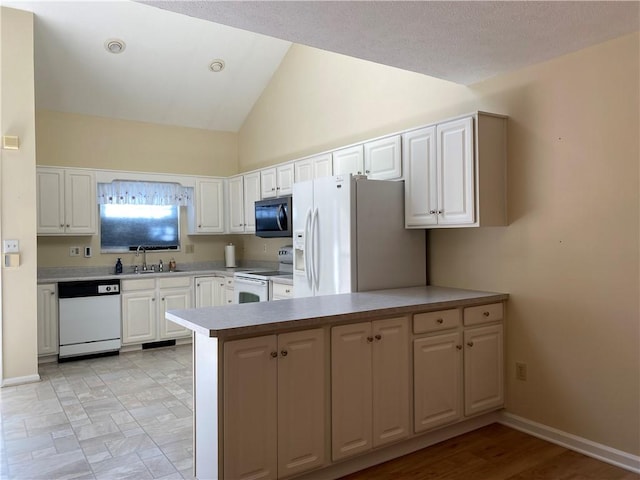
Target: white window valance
x=144, y=193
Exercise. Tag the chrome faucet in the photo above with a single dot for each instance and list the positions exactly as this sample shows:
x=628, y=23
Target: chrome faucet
x=144, y=257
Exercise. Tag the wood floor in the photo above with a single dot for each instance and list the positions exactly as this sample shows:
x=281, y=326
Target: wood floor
x=495, y=452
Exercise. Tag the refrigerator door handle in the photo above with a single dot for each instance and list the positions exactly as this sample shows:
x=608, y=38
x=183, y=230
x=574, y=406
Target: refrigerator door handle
x=307, y=248
x=314, y=240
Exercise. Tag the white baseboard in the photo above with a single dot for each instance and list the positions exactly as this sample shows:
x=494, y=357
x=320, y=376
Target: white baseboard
x=13, y=381
x=573, y=442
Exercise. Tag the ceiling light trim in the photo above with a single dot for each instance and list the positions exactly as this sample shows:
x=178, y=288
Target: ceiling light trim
x=115, y=46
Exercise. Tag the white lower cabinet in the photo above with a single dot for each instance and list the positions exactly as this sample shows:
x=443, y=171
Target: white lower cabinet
x=369, y=385
x=210, y=291
x=483, y=369
x=458, y=371
x=274, y=405
x=144, y=303
x=47, y=319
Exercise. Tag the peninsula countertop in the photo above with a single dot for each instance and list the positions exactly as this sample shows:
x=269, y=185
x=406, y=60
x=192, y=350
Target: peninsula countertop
x=262, y=317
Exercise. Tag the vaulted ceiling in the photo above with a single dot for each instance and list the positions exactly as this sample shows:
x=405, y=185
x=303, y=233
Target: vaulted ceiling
x=164, y=76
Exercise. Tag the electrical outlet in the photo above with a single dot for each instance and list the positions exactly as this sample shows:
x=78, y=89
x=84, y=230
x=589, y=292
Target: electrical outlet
x=521, y=371
x=264, y=247
x=10, y=246
x=74, y=251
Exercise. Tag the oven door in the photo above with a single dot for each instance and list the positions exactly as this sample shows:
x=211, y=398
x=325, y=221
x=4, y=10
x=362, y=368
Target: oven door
x=248, y=290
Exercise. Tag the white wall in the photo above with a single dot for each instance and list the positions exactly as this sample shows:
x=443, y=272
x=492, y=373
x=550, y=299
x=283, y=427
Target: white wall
x=570, y=256
x=18, y=198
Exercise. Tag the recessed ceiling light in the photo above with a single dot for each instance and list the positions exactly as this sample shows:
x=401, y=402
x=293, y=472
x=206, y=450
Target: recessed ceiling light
x=217, y=65
x=115, y=45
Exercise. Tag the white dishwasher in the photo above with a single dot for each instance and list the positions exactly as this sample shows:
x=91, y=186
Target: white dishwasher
x=89, y=316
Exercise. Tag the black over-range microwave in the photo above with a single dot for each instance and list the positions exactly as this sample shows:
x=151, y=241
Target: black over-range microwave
x=274, y=217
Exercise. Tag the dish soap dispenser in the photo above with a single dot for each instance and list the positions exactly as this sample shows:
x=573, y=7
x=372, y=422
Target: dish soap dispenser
x=118, y=266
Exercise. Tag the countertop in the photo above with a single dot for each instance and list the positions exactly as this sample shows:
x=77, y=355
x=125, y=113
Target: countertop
x=252, y=318
x=71, y=274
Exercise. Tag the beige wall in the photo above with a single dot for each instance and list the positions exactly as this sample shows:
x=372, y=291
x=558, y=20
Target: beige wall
x=73, y=140
x=569, y=257
x=17, y=189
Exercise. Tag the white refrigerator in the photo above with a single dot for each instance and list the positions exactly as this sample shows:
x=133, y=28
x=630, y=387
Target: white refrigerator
x=349, y=236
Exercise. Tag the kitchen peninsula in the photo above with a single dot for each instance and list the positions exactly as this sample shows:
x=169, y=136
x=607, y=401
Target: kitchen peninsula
x=319, y=387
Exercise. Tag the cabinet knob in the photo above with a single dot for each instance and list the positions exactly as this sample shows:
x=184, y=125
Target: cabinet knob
x=378, y=337
x=153, y=299
x=53, y=293
x=440, y=212
x=486, y=314
x=284, y=353
x=359, y=172
x=470, y=344
x=287, y=291
x=369, y=339
x=432, y=212
x=440, y=321
x=459, y=347
x=67, y=225
x=367, y=171
x=274, y=354
x=62, y=225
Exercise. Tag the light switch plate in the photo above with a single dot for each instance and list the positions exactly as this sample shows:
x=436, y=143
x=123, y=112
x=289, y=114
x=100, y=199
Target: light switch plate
x=10, y=246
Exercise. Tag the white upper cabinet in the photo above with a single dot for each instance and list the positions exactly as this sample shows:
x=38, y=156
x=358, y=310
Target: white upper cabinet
x=314, y=167
x=251, y=196
x=456, y=188
x=206, y=216
x=235, y=204
x=455, y=173
x=277, y=181
x=349, y=160
x=420, y=186
x=67, y=203
x=383, y=158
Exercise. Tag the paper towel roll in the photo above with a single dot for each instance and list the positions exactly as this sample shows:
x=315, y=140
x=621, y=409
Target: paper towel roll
x=230, y=255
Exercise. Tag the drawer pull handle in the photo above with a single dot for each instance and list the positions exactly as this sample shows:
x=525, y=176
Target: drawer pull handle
x=470, y=344
x=284, y=353
x=440, y=321
x=369, y=339
x=288, y=291
x=486, y=314
x=459, y=347
x=378, y=337
x=274, y=354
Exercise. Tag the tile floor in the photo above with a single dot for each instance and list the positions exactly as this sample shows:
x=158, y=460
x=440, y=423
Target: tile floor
x=127, y=416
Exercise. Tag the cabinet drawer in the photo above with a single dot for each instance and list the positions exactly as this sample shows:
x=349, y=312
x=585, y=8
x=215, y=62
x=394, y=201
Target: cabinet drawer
x=174, y=282
x=483, y=314
x=434, y=321
x=138, y=284
x=282, y=290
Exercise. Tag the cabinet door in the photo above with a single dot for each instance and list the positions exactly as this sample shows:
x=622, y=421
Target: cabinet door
x=81, y=203
x=284, y=175
x=235, y=204
x=382, y=159
x=390, y=356
x=483, y=369
x=348, y=160
x=437, y=384
x=173, y=299
x=420, y=184
x=209, y=204
x=250, y=408
x=251, y=196
x=138, y=317
x=322, y=165
x=351, y=400
x=268, y=183
x=456, y=189
x=50, y=200
x=303, y=170
x=301, y=401
x=47, y=320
